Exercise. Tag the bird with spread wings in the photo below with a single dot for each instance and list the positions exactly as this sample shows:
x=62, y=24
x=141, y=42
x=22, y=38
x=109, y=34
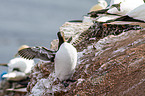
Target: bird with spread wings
x=38, y=52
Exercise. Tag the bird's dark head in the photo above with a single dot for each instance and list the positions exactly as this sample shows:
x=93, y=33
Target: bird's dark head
x=61, y=38
x=61, y=35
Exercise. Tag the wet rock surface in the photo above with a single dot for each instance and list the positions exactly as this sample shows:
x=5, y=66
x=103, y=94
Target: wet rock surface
x=108, y=64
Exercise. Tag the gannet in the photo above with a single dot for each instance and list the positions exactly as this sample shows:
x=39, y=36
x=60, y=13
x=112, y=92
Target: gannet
x=104, y=11
x=138, y=14
x=65, y=59
x=18, y=69
x=125, y=7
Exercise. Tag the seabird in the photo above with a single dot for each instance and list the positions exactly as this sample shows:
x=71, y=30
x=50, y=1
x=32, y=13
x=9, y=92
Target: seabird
x=103, y=12
x=65, y=60
x=137, y=15
x=102, y=4
x=65, y=57
x=121, y=10
x=125, y=6
x=37, y=52
x=18, y=69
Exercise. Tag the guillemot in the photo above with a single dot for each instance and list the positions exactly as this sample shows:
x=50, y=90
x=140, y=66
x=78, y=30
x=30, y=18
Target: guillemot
x=65, y=60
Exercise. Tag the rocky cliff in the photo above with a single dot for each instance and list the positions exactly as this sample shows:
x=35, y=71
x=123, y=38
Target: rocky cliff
x=111, y=61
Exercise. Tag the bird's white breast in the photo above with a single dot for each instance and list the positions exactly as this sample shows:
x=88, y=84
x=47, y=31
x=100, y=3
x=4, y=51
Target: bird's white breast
x=65, y=61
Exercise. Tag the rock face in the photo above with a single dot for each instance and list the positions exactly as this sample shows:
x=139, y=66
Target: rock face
x=74, y=29
x=111, y=63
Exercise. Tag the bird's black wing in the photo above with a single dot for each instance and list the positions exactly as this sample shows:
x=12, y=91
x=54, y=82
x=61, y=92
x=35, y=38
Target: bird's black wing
x=127, y=18
x=37, y=52
x=95, y=13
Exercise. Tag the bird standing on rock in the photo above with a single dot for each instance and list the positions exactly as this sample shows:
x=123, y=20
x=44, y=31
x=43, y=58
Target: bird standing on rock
x=65, y=57
x=116, y=9
x=65, y=60
x=136, y=15
x=125, y=6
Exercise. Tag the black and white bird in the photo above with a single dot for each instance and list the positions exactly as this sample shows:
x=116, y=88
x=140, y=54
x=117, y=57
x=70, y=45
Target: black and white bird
x=116, y=9
x=65, y=60
x=65, y=57
x=18, y=69
x=136, y=15
x=103, y=12
x=125, y=6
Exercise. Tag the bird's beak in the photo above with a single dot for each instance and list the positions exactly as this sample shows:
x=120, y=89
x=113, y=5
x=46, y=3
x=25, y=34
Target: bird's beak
x=3, y=64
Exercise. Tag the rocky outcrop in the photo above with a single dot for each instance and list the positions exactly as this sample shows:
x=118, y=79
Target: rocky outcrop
x=111, y=61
